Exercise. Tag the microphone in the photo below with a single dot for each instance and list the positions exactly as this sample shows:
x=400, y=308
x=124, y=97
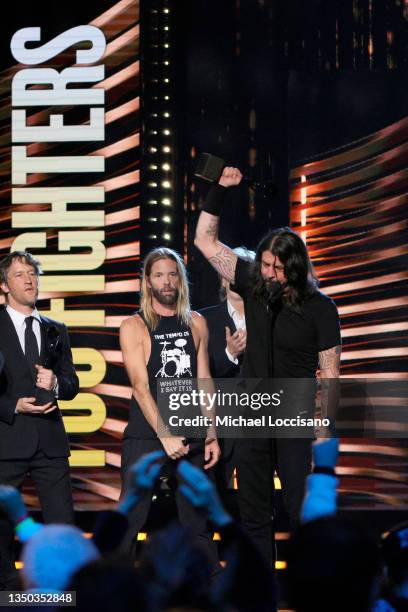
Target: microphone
x=271, y=292
x=210, y=167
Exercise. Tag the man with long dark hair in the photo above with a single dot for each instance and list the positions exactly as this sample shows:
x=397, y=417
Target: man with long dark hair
x=292, y=328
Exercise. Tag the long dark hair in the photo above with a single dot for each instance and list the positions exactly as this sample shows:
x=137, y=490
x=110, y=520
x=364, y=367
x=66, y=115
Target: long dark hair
x=302, y=281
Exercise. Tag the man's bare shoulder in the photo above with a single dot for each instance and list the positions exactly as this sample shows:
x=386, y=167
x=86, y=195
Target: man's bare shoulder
x=133, y=325
x=196, y=316
x=198, y=321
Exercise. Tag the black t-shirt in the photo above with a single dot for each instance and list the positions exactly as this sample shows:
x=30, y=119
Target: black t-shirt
x=280, y=342
x=173, y=355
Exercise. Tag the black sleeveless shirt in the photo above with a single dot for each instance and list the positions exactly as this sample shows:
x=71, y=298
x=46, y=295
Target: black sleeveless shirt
x=173, y=355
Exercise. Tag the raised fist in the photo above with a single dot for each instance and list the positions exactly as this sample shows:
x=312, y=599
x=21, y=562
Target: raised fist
x=230, y=177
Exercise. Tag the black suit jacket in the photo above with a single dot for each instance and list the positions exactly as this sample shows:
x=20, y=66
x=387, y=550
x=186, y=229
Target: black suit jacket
x=218, y=319
x=22, y=434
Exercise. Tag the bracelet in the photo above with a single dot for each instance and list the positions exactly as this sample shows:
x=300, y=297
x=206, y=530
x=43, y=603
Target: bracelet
x=27, y=528
x=26, y=516
x=214, y=200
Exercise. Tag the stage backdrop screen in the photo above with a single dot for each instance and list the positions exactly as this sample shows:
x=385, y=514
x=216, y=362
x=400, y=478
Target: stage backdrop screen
x=70, y=195
x=348, y=202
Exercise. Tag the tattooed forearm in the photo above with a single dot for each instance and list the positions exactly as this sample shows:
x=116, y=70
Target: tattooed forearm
x=225, y=261
x=329, y=361
x=212, y=228
x=206, y=239
x=329, y=397
x=329, y=373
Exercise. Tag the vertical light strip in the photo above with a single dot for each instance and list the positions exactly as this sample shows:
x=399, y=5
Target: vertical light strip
x=303, y=212
x=158, y=67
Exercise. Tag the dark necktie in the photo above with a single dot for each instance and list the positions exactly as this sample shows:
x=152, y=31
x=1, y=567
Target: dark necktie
x=31, y=345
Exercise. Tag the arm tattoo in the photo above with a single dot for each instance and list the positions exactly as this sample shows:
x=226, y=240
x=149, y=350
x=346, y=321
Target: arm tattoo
x=212, y=228
x=224, y=262
x=330, y=382
x=330, y=362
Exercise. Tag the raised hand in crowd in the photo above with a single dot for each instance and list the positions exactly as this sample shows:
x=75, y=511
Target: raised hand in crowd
x=320, y=498
x=12, y=504
x=201, y=492
x=140, y=479
x=326, y=452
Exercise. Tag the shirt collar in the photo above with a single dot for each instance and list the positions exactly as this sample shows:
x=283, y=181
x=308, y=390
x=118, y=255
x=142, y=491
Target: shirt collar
x=233, y=312
x=19, y=318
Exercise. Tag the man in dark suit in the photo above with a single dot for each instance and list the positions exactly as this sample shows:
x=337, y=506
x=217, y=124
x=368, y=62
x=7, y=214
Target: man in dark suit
x=37, y=370
x=226, y=345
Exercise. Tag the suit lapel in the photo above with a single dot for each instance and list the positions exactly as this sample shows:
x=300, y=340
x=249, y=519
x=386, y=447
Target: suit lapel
x=228, y=319
x=9, y=339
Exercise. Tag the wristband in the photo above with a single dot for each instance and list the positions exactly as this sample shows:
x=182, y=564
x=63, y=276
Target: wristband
x=27, y=528
x=321, y=469
x=214, y=200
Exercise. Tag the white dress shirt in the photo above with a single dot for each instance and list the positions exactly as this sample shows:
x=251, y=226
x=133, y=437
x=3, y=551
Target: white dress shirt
x=18, y=319
x=239, y=322
x=19, y=323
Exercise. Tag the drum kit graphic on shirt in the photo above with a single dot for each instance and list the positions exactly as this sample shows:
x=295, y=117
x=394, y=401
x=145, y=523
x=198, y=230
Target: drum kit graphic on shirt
x=175, y=361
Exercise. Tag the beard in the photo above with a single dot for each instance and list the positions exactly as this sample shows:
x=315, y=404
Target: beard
x=166, y=299
x=272, y=291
